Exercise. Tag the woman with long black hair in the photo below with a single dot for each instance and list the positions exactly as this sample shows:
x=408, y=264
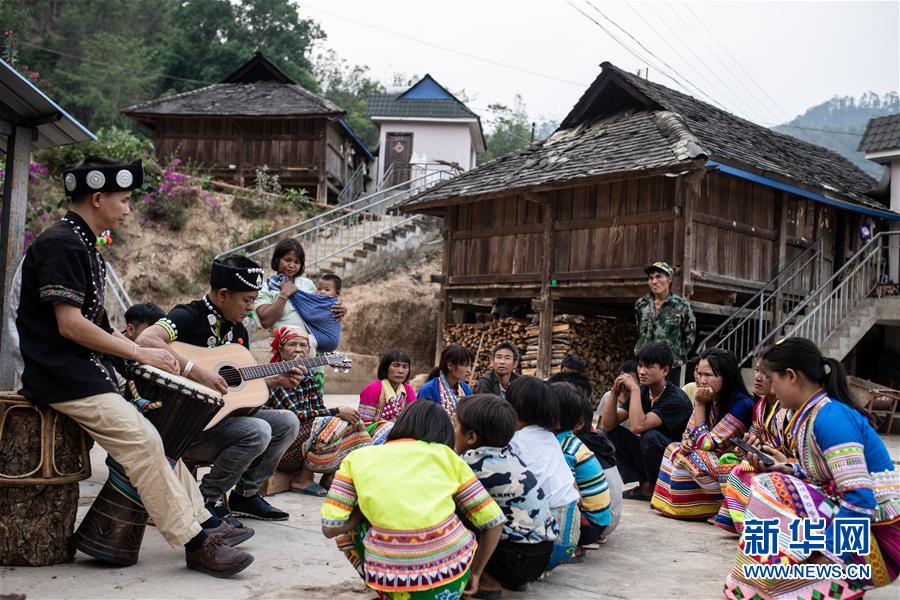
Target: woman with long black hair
x=843, y=471
x=688, y=485
x=448, y=381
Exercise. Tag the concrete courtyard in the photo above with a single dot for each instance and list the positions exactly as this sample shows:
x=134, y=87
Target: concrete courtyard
x=648, y=556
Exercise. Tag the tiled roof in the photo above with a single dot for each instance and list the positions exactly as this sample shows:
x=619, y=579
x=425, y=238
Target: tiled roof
x=882, y=133
x=629, y=141
x=260, y=99
x=608, y=131
x=391, y=105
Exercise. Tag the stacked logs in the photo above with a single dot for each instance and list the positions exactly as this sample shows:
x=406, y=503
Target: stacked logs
x=603, y=342
x=481, y=338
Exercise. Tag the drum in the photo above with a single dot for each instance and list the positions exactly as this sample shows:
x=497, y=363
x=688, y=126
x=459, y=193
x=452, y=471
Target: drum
x=113, y=528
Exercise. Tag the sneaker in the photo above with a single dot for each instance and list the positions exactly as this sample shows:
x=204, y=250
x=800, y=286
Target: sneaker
x=255, y=507
x=219, y=509
x=217, y=559
x=231, y=536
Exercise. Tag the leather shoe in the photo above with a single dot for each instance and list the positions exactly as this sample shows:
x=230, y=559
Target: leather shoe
x=231, y=535
x=216, y=559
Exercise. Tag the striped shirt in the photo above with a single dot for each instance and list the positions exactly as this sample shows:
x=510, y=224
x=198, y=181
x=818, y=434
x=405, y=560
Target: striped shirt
x=589, y=478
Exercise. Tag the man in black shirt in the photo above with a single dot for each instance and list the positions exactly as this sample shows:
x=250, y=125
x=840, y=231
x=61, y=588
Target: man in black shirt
x=244, y=450
x=67, y=344
x=658, y=411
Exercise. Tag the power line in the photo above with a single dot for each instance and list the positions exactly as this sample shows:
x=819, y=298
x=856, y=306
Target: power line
x=447, y=49
x=853, y=133
x=738, y=63
x=703, y=62
x=688, y=81
x=105, y=64
x=631, y=51
x=719, y=58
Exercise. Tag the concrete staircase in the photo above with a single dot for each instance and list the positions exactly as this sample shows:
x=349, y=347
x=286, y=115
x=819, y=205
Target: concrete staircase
x=851, y=330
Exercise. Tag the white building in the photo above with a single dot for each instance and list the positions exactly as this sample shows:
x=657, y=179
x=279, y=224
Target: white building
x=421, y=129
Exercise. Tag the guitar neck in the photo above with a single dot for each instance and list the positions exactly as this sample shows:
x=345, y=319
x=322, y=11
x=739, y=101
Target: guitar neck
x=270, y=369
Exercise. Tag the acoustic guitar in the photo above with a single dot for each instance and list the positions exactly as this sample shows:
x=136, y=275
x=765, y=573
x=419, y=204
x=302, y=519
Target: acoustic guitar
x=246, y=389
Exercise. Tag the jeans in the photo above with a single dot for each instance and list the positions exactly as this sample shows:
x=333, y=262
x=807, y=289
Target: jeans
x=244, y=451
x=638, y=457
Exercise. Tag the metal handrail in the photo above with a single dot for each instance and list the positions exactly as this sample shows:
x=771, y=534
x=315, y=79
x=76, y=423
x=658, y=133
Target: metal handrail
x=121, y=301
x=828, y=304
x=316, y=221
x=364, y=239
x=750, y=322
x=352, y=187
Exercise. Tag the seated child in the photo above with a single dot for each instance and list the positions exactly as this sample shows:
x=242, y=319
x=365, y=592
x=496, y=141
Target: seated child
x=139, y=317
x=393, y=508
x=537, y=413
x=589, y=477
x=603, y=449
x=484, y=426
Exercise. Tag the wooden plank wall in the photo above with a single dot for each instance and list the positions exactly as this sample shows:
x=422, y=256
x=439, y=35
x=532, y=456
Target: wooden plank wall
x=218, y=143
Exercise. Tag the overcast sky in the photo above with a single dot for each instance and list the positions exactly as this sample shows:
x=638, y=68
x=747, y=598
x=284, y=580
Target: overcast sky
x=780, y=58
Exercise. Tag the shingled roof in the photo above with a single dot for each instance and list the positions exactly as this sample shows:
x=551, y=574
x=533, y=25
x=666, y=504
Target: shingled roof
x=424, y=99
x=607, y=132
x=882, y=134
x=258, y=88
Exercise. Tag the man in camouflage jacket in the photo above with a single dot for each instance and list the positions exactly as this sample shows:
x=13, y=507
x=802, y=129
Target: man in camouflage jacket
x=662, y=316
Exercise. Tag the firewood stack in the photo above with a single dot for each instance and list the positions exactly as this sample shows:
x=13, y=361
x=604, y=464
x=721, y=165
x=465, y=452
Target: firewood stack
x=481, y=338
x=603, y=342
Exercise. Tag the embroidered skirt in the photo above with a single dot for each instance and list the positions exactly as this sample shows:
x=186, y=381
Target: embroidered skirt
x=568, y=520
x=736, y=490
x=786, y=498
x=322, y=444
x=688, y=485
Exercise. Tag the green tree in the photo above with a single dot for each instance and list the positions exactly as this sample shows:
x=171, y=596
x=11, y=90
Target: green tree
x=509, y=129
x=348, y=86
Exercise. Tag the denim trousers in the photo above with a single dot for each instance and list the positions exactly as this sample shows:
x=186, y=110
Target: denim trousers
x=244, y=451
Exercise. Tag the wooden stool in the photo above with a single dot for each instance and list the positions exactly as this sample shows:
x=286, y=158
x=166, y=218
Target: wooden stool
x=43, y=456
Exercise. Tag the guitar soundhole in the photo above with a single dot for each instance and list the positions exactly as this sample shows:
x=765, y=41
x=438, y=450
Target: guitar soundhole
x=231, y=376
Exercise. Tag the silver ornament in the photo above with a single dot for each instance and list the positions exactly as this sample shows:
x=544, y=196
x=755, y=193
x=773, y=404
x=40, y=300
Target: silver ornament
x=95, y=180
x=124, y=178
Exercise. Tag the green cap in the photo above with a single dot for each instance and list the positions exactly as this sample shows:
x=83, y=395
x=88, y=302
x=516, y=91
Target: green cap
x=663, y=267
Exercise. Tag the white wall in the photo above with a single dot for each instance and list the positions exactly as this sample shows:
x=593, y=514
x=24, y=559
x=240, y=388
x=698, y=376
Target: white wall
x=451, y=142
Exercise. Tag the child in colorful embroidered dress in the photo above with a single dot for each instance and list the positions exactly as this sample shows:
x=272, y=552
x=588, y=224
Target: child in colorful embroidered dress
x=843, y=471
x=767, y=428
x=537, y=413
x=589, y=477
x=688, y=484
x=393, y=508
x=447, y=382
x=484, y=425
x=382, y=401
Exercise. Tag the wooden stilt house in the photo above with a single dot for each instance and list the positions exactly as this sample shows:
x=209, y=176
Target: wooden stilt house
x=637, y=173
x=258, y=116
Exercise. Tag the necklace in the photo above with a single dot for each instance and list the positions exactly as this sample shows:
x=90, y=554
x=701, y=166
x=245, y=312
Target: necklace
x=653, y=398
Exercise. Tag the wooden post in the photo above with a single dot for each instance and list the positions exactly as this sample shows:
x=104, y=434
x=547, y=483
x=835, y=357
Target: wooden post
x=678, y=240
x=545, y=304
x=15, y=200
x=781, y=215
x=446, y=304
x=691, y=192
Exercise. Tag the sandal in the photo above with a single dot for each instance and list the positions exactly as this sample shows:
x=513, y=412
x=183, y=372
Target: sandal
x=635, y=493
x=313, y=489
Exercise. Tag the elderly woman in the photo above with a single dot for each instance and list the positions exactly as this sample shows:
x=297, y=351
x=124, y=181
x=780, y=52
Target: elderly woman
x=326, y=435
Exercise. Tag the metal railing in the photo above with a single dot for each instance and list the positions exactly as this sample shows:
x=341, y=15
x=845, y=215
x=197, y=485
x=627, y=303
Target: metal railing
x=859, y=278
x=343, y=227
x=743, y=331
x=353, y=187
x=116, y=298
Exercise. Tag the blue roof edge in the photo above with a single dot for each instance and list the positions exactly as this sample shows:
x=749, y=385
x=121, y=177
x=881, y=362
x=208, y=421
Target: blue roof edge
x=361, y=144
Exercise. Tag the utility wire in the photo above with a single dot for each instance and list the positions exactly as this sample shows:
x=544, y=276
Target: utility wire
x=740, y=66
x=853, y=133
x=703, y=62
x=721, y=62
x=447, y=49
x=99, y=62
x=649, y=51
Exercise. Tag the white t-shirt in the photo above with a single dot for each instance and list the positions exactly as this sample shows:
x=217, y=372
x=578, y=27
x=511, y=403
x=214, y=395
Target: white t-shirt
x=289, y=316
x=541, y=453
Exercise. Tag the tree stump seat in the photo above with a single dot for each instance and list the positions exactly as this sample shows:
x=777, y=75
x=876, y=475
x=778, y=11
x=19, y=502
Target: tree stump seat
x=43, y=456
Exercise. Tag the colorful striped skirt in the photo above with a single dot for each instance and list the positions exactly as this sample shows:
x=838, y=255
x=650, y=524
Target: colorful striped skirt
x=688, y=486
x=568, y=520
x=383, y=571
x=322, y=444
x=736, y=490
x=786, y=498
